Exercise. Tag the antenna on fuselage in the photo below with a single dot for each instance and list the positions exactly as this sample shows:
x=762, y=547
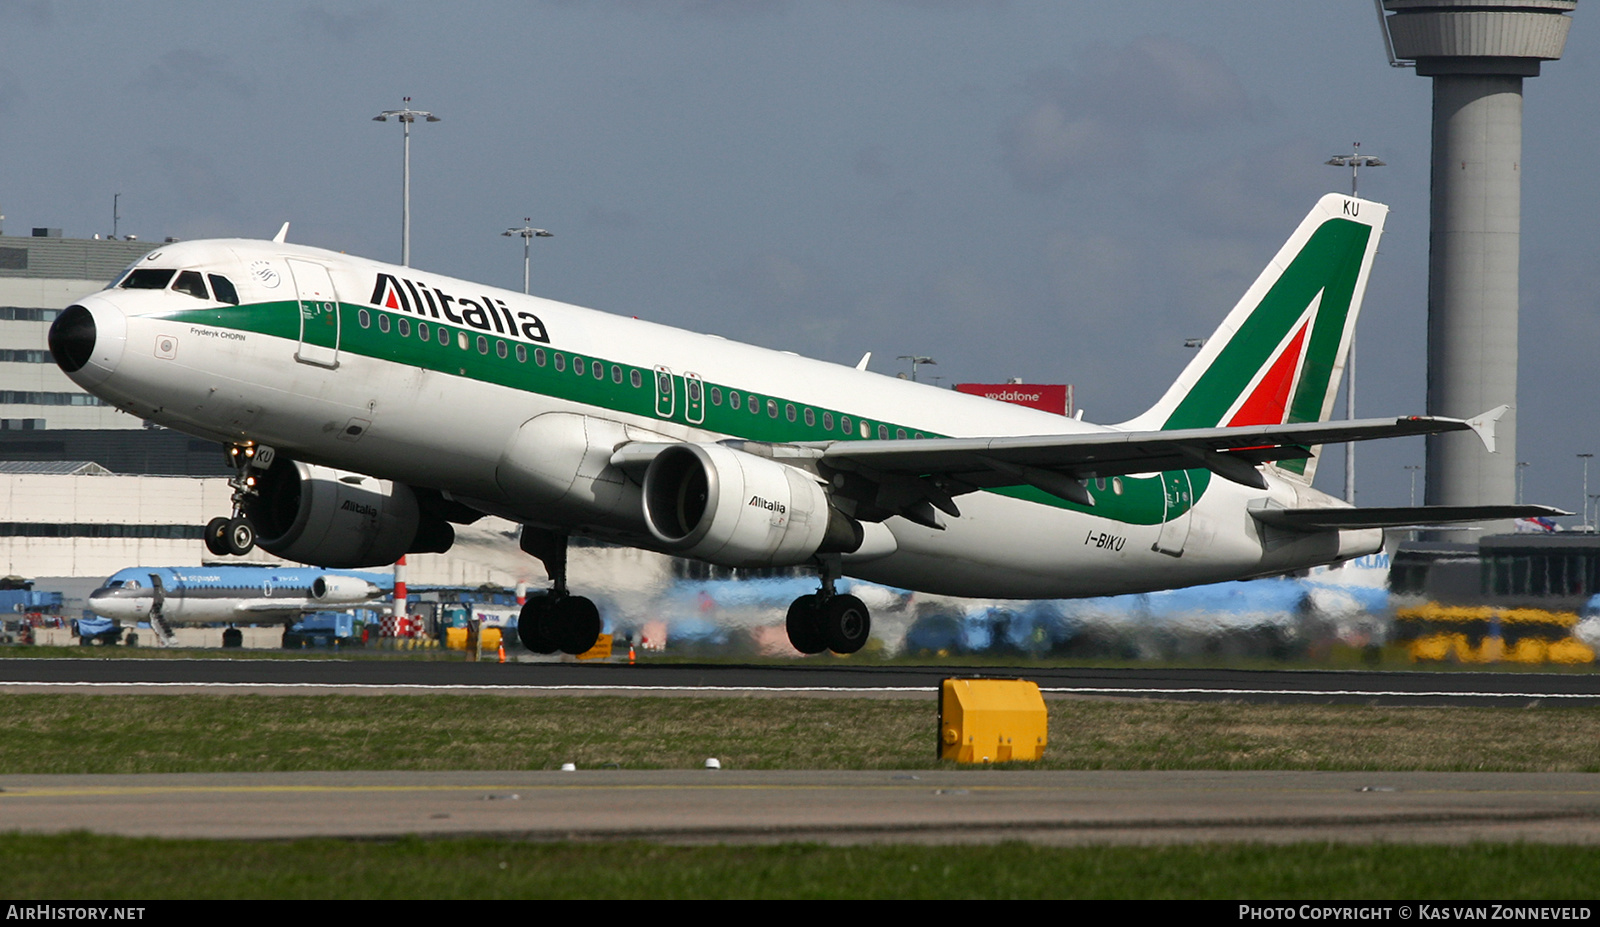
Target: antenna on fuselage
x=283, y=234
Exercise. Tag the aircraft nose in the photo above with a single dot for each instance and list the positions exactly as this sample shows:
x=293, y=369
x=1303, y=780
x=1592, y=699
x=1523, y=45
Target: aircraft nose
x=87, y=338
x=72, y=338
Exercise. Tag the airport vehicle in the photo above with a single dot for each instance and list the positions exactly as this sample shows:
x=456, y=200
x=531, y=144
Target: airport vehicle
x=167, y=596
x=369, y=406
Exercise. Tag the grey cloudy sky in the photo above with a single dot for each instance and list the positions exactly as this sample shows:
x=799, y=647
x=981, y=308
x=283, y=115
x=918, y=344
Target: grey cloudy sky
x=1061, y=191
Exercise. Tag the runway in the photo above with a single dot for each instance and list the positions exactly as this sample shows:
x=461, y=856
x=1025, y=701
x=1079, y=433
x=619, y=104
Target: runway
x=802, y=678
x=704, y=806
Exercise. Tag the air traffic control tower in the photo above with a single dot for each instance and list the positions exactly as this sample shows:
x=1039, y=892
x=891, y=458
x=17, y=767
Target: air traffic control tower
x=1478, y=52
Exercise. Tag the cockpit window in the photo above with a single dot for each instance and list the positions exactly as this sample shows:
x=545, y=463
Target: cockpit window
x=148, y=278
x=190, y=284
x=223, y=287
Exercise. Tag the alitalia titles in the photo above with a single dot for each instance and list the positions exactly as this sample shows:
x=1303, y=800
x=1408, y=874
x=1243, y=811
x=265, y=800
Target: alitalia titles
x=485, y=313
x=776, y=508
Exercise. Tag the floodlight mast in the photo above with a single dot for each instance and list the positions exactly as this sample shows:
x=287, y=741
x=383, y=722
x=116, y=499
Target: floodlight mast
x=527, y=233
x=1355, y=161
x=406, y=116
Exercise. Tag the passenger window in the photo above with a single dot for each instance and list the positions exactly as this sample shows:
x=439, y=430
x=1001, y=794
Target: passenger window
x=772, y=408
x=383, y=323
x=422, y=331
x=405, y=328
x=844, y=424
x=148, y=278
x=577, y=366
x=883, y=432
x=635, y=379
x=538, y=358
x=500, y=349
x=733, y=399
x=190, y=283
x=561, y=362
x=364, y=318
x=827, y=421
x=444, y=336
x=900, y=434
x=483, y=345
x=223, y=287
x=788, y=411
x=616, y=374
x=522, y=354
x=811, y=418
x=599, y=370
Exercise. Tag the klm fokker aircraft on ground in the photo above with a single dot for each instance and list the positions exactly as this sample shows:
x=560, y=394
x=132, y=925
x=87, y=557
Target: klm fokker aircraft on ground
x=213, y=595
x=369, y=406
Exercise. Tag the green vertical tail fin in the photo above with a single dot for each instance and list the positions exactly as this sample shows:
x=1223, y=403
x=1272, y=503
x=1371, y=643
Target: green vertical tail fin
x=1279, y=355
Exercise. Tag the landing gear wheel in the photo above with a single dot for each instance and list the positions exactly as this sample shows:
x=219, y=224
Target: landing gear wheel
x=241, y=536
x=217, y=536
x=532, y=624
x=804, y=625
x=575, y=624
x=845, y=623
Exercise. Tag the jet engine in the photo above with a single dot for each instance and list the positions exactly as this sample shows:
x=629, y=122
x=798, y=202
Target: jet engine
x=342, y=589
x=730, y=507
x=332, y=518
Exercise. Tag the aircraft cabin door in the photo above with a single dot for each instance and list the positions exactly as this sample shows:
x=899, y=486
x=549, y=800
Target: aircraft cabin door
x=666, y=393
x=1179, y=498
x=695, y=399
x=319, y=314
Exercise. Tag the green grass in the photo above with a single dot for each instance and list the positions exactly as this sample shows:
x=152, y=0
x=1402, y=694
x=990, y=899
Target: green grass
x=69, y=733
x=114, y=868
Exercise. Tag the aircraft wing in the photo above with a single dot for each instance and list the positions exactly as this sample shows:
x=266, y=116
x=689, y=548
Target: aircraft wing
x=277, y=606
x=912, y=477
x=1420, y=516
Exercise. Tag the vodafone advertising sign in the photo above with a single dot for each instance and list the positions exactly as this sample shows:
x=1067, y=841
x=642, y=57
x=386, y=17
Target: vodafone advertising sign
x=1050, y=397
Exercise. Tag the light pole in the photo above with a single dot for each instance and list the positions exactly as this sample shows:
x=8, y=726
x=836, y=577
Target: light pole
x=1585, y=458
x=1355, y=161
x=916, y=360
x=528, y=233
x=407, y=116
x=1413, y=468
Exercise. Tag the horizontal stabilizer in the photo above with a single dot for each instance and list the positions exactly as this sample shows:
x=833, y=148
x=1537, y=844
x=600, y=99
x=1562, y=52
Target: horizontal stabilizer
x=1419, y=516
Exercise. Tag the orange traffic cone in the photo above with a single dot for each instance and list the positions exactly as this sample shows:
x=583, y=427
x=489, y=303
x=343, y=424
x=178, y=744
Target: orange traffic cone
x=630, y=653
x=502, y=651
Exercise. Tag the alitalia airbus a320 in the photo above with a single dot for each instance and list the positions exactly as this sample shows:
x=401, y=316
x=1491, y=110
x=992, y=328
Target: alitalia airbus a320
x=368, y=407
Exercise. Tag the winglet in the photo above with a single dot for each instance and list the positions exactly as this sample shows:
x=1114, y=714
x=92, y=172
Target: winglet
x=1483, y=425
x=283, y=234
x=862, y=364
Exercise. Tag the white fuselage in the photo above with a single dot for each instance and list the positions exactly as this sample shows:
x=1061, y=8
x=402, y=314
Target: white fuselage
x=443, y=415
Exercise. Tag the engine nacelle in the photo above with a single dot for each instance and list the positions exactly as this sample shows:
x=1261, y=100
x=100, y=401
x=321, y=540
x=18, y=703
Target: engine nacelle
x=725, y=506
x=342, y=589
x=331, y=518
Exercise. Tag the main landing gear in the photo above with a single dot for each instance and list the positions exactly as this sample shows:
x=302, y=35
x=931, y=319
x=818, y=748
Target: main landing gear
x=235, y=534
x=555, y=621
x=827, y=620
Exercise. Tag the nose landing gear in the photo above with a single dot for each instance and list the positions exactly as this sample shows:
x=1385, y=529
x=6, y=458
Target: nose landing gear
x=235, y=534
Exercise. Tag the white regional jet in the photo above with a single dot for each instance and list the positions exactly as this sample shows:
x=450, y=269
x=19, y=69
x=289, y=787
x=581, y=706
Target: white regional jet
x=368, y=406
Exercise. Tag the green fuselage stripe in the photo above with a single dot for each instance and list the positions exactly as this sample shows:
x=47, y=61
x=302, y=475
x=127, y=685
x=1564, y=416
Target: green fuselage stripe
x=1139, y=501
